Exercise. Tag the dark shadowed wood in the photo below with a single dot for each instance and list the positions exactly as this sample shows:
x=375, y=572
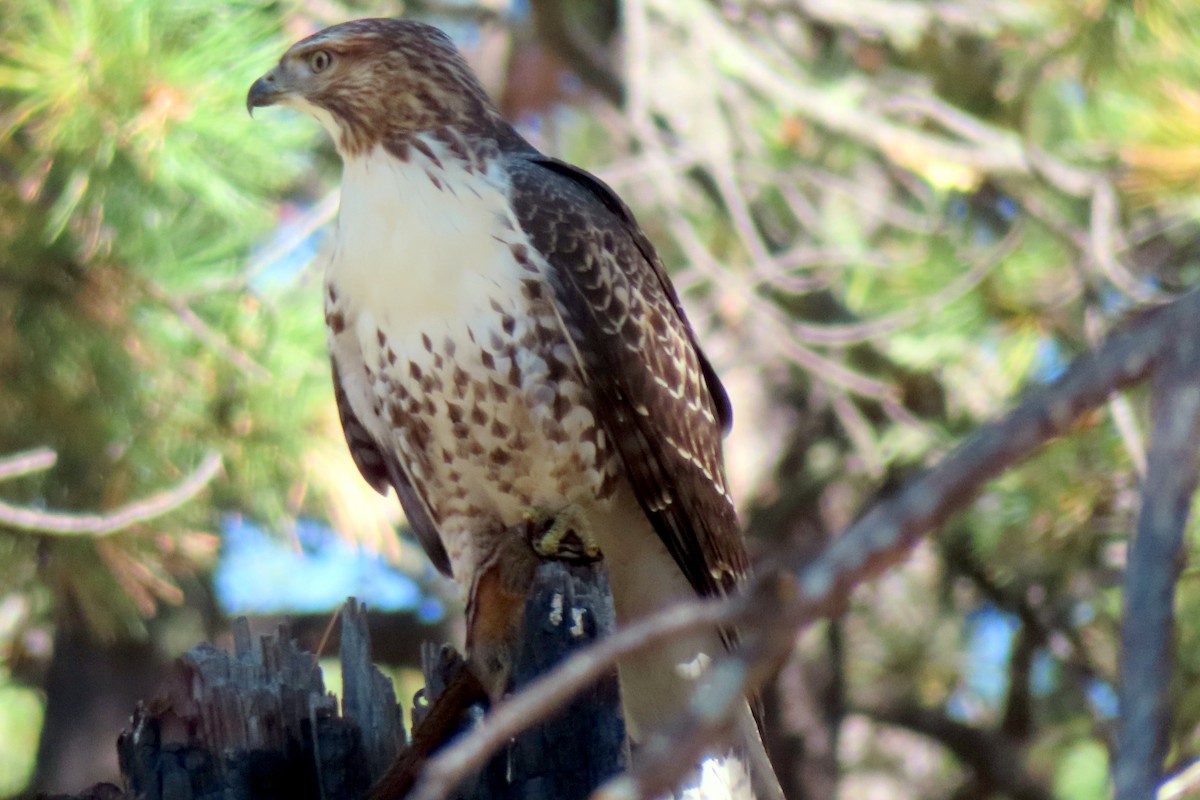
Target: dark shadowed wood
x=563, y=758
x=1156, y=557
x=258, y=724
x=368, y=699
x=570, y=755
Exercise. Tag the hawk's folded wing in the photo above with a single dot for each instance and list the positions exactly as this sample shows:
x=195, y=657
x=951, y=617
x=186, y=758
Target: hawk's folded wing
x=655, y=393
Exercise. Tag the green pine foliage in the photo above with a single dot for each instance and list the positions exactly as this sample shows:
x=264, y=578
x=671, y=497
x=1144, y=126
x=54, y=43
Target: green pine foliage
x=135, y=186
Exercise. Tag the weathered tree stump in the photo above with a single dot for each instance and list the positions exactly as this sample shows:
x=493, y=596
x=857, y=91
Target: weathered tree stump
x=258, y=724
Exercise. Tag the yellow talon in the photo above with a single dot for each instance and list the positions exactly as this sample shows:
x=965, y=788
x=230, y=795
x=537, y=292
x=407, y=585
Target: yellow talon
x=569, y=524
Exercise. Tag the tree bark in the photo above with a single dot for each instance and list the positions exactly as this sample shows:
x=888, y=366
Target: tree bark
x=258, y=724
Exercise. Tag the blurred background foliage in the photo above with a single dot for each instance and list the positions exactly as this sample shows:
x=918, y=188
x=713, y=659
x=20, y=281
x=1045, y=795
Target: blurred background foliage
x=886, y=218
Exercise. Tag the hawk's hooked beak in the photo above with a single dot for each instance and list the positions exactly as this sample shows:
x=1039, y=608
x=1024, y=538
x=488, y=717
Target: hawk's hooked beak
x=267, y=90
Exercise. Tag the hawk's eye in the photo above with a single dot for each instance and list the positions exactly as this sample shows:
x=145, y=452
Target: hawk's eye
x=319, y=60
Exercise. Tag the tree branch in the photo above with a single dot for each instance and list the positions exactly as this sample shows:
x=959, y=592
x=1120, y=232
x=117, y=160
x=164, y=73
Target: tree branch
x=783, y=599
x=993, y=757
x=1153, y=569
x=215, y=340
x=61, y=523
x=1038, y=629
x=554, y=691
x=584, y=57
x=18, y=464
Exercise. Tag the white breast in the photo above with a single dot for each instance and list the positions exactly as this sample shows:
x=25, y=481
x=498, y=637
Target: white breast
x=424, y=278
x=417, y=253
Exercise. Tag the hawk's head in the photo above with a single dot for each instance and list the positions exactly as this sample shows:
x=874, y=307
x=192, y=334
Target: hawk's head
x=371, y=80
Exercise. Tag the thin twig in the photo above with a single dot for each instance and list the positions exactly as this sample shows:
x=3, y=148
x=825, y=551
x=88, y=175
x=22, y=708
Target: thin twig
x=472, y=12
x=1104, y=244
x=18, y=464
x=1055, y=632
x=1118, y=405
x=953, y=120
x=825, y=181
x=853, y=333
x=585, y=57
x=206, y=334
x=859, y=430
x=873, y=16
x=61, y=523
x=297, y=232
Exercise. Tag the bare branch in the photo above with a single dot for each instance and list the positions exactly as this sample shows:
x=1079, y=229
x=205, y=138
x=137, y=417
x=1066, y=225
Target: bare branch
x=60, y=523
x=554, y=690
x=852, y=333
x=582, y=55
x=1119, y=407
x=786, y=598
x=902, y=16
x=1153, y=568
x=1181, y=785
x=827, y=181
x=213, y=339
x=780, y=601
x=18, y=464
x=994, y=757
x=472, y=12
x=297, y=233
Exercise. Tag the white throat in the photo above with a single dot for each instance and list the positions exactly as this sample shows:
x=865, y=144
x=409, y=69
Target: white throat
x=416, y=237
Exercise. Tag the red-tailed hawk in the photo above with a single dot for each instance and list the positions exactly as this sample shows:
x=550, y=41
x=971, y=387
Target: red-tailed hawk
x=507, y=349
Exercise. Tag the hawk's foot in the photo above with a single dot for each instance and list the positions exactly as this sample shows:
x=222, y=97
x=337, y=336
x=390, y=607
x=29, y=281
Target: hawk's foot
x=563, y=536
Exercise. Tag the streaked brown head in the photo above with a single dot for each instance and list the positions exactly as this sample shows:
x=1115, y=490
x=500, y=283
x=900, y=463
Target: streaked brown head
x=375, y=80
